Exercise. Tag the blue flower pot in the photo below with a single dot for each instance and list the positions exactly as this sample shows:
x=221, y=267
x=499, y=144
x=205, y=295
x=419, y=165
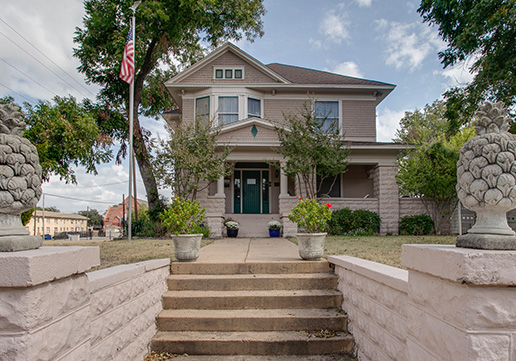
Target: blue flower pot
x=232, y=232
x=274, y=232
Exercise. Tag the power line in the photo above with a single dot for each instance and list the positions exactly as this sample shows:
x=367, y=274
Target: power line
x=28, y=76
x=37, y=49
x=76, y=199
x=12, y=91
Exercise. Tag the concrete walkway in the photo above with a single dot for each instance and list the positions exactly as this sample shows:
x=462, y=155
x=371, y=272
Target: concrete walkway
x=250, y=250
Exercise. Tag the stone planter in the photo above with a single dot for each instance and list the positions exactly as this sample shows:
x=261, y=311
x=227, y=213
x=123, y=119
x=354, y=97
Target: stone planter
x=274, y=232
x=187, y=246
x=311, y=245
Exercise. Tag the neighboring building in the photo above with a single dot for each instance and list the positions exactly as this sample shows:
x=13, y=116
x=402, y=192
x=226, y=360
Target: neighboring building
x=115, y=215
x=246, y=98
x=53, y=223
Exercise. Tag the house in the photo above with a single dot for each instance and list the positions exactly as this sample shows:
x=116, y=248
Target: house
x=245, y=98
x=53, y=223
x=116, y=215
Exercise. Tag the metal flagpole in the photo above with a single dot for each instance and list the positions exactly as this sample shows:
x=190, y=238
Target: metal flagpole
x=131, y=131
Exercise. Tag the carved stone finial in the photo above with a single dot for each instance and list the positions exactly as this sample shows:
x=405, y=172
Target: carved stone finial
x=20, y=181
x=486, y=180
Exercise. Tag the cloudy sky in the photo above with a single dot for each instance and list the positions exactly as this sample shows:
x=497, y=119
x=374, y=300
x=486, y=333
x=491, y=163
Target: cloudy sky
x=373, y=39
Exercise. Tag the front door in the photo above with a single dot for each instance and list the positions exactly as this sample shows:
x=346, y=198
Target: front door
x=251, y=184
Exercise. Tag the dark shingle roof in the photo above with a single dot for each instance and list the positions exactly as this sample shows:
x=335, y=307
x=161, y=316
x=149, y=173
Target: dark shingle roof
x=298, y=75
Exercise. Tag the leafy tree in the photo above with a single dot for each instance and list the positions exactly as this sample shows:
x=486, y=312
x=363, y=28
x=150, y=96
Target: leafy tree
x=188, y=158
x=94, y=218
x=65, y=134
x=312, y=154
x=165, y=29
x=26, y=216
x=49, y=209
x=428, y=166
x=483, y=33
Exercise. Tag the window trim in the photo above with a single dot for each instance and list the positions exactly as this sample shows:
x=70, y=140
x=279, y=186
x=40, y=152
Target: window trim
x=219, y=113
x=199, y=116
x=249, y=115
x=233, y=69
x=339, y=112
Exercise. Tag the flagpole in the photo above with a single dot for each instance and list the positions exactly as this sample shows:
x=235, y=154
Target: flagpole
x=131, y=126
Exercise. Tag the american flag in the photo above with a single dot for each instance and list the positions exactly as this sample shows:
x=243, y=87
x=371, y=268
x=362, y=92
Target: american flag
x=127, y=70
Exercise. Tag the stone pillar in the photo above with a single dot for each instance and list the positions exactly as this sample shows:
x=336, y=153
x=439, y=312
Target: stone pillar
x=220, y=186
x=386, y=190
x=45, y=303
x=283, y=183
x=462, y=304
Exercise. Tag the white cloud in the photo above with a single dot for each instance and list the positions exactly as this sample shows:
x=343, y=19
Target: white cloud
x=458, y=75
x=348, y=68
x=408, y=45
x=334, y=26
x=366, y=3
x=388, y=121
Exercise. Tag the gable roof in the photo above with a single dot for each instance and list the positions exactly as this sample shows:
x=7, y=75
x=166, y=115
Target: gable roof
x=299, y=75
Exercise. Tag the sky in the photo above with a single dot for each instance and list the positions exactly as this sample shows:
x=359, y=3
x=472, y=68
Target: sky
x=372, y=39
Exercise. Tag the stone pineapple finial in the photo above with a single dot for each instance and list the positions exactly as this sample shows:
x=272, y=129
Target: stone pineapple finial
x=486, y=180
x=20, y=181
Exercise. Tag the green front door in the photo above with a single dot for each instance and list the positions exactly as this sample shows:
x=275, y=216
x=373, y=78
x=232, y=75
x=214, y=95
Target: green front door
x=251, y=184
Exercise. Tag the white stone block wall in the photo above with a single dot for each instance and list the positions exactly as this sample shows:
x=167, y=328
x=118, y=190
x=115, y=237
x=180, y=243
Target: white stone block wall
x=286, y=203
x=386, y=191
x=125, y=301
x=375, y=299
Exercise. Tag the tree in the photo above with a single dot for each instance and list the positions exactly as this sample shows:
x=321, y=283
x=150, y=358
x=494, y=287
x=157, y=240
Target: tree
x=94, y=218
x=428, y=166
x=189, y=159
x=483, y=33
x=165, y=29
x=65, y=134
x=312, y=154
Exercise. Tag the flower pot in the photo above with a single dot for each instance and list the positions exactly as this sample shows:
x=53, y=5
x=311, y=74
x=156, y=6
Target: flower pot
x=311, y=245
x=232, y=232
x=187, y=246
x=274, y=232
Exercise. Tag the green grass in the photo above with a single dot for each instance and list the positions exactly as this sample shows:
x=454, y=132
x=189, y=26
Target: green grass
x=113, y=253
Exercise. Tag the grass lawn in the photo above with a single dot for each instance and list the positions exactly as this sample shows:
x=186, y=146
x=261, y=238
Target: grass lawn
x=113, y=253
x=382, y=249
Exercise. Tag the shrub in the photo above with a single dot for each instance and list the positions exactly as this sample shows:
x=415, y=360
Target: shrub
x=417, y=225
x=357, y=223
x=201, y=228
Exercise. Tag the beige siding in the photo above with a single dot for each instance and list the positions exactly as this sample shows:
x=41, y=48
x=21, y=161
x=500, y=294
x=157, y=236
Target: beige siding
x=205, y=74
x=356, y=182
x=276, y=108
x=188, y=111
x=359, y=120
x=244, y=135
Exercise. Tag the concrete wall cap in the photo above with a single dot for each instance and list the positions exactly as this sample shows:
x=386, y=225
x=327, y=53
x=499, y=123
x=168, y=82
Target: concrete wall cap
x=45, y=264
x=462, y=265
x=390, y=276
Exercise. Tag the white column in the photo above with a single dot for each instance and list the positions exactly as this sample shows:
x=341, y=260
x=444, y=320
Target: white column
x=283, y=182
x=220, y=186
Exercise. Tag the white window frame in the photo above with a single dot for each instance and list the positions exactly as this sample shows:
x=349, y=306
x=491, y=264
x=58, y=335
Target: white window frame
x=225, y=68
x=339, y=109
x=249, y=115
x=219, y=113
x=209, y=108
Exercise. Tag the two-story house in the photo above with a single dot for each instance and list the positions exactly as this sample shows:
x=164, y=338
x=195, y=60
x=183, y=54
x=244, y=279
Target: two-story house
x=246, y=99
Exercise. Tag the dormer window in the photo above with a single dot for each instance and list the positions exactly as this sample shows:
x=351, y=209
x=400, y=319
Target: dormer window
x=228, y=73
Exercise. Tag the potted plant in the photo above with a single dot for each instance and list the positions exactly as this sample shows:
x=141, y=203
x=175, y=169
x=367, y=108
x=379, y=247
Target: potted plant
x=181, y=219
x=312, y=217
x=274, y=228
x=231, y=227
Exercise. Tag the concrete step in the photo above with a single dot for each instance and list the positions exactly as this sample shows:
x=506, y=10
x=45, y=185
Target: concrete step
x=307, y=281
x=251, y=343
x=261, y=358
x=269, y=299
x=207, y=268
x=252, y=320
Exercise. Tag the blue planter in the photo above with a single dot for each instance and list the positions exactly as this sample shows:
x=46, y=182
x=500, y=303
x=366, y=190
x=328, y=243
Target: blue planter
x=274, y=232
x=232, y=232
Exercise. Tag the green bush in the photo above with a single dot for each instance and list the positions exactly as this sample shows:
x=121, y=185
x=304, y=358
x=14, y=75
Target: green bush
x=417, y=225
x=201, y=228
x=356, y=223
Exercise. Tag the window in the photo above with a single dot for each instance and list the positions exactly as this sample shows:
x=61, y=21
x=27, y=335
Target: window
x=228, y=73
x=327, y=112
x=219, y=74
x=239, y=74
x=202, y=109
x=228, y=110
x=254, y=108
x=326, y=187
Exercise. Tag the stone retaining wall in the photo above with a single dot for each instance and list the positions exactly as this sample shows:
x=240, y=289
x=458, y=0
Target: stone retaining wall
x=375, y=299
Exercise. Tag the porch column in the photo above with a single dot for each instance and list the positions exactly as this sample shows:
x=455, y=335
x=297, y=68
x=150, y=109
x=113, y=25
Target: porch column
x=220, y=186
x=283, y=182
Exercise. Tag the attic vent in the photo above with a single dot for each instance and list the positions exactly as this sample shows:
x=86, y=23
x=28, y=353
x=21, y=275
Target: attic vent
x=228, y=73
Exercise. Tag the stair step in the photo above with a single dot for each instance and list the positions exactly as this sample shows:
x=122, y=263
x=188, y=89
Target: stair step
x=253, y=282
x=250, y=343
x=252, y=320
x=203, y=268
x=271, y=299
x=263, y=358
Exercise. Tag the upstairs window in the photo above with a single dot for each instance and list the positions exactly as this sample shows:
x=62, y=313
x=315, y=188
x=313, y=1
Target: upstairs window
x=228, y=110
x=254, y=108
x=202, y=109
x=228, y=73
x=327, y=112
